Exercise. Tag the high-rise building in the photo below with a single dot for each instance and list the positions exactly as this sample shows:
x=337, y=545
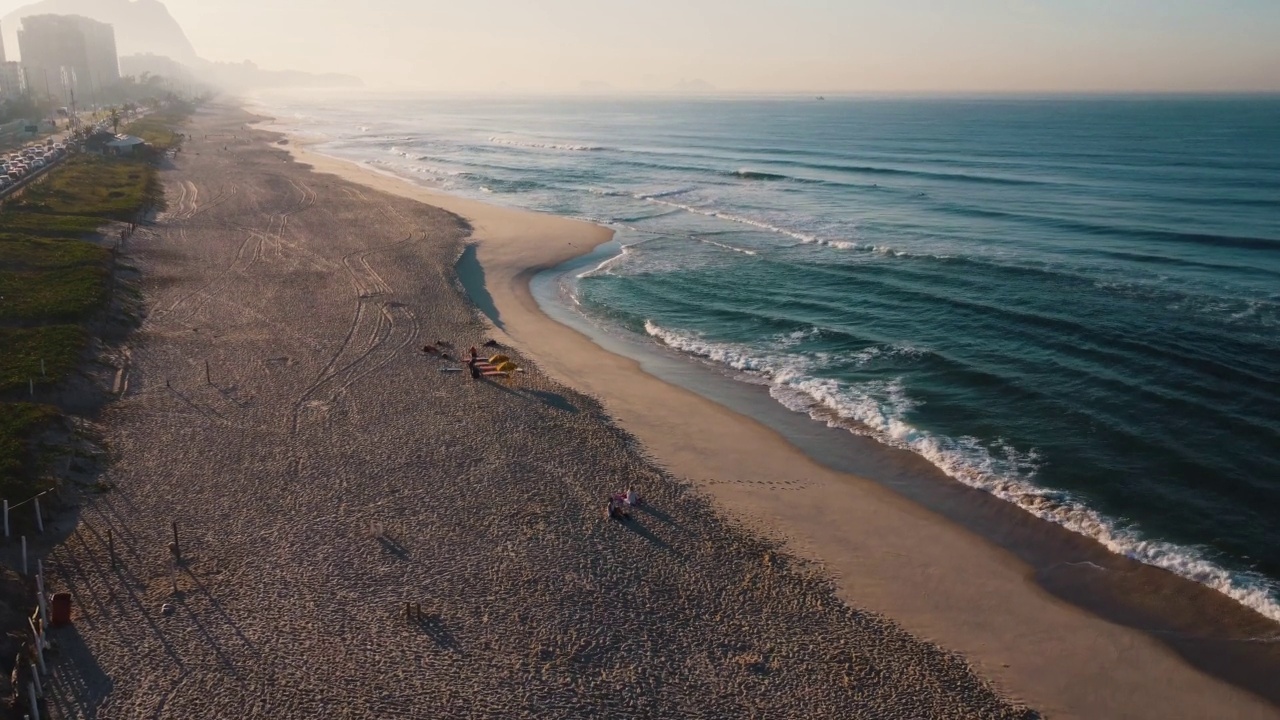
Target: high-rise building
x=11, y=84
x=65, y=54
x=11, y=80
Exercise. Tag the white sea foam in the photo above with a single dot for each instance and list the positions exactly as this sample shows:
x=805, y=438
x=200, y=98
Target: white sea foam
x=742, y=220
x=879, y=409
x=544, y=145
x=604, y=267
x=744, y=251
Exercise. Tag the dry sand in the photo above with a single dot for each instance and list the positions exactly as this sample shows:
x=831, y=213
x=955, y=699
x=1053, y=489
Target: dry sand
x=889, y=555
x=276, y=407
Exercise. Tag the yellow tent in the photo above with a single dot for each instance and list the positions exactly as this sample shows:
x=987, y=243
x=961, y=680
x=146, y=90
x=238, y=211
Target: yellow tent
x=507, y=367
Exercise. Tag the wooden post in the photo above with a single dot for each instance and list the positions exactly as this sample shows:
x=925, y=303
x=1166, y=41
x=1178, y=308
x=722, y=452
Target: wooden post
x=38, y=637
x=44, y=602
x=24, y=554
x=111, y=547
x=39, y=519
x=6, y=518
x=208, y=380
x=31, y=385
x=42, y=372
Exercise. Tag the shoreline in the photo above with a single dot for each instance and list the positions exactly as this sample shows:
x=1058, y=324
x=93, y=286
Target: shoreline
x=365, y=531
x=887, y=553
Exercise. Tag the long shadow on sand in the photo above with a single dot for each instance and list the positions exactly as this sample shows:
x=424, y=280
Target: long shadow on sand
x=471, y=275
x=80, y=686
x=554, y=400
x=433, y=627
x=634, y=526
x=393, y=547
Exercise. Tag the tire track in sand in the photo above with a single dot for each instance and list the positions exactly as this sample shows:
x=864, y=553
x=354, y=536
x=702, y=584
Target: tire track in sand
x=391, y=319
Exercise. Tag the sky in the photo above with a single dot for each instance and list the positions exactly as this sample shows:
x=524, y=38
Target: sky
x=754, y=45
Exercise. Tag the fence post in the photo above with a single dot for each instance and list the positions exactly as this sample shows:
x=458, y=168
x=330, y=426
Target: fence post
x=31, y=386
x=38, y=637
x=24, y=554
x=39, y=519
x=207, y=378
x=44, y=604
x=111, y=547
x=6, y=518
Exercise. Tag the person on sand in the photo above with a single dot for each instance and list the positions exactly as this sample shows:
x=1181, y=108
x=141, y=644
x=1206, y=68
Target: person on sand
x=633, y=500
x=474, y=355
x=474, y=367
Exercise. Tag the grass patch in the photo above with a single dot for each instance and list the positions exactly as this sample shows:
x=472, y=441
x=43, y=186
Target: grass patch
x=52, y=281
x=51, y=296
x=46, y=224
x=59, y=346
x=158, y=128
x=93, y=186
x=20, y=424
x=30, y=252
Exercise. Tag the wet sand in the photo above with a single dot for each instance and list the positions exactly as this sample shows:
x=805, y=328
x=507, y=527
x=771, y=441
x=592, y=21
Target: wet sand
x=323, y=472
x=1033, y=619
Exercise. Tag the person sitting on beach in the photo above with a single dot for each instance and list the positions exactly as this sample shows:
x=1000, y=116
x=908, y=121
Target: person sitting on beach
x=632, y=498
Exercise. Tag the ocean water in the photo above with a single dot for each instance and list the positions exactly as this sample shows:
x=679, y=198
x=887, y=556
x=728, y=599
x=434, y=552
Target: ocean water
x=1070, y=303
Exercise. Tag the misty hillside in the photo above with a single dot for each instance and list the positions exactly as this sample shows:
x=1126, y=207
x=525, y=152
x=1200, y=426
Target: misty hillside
x=142, y=26
x=149, y=39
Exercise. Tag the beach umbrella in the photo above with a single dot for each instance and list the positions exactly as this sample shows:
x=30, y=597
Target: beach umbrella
x=499, y=359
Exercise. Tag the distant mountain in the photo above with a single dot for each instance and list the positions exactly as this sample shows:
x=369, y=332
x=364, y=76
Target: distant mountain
x=148, y=39
x=142, y=26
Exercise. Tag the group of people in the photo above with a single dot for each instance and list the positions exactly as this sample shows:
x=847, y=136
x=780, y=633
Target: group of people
x=620, y=504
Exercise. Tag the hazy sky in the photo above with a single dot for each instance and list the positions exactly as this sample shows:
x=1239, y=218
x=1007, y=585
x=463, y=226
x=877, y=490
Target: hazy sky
x=755, y=45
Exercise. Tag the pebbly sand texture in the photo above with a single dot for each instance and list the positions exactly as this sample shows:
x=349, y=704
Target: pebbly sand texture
x=309, y=298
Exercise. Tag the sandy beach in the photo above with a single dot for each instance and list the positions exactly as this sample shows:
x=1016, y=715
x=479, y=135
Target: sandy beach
x=887, y=554
x=323, y=472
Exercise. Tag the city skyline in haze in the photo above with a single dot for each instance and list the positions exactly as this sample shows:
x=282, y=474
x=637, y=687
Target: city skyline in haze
x=764, y=46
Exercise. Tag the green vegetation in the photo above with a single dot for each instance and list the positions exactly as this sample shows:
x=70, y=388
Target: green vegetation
x=157, y=128
x=20, y=424
x=46, y=225
x=53, y=280
x=94, y=186
x=59, y=346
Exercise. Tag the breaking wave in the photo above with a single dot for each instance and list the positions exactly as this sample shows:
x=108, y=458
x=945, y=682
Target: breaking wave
x=880, y=410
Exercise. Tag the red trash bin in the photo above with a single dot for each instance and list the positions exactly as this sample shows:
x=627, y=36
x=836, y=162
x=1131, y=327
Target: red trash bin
x=60, y=609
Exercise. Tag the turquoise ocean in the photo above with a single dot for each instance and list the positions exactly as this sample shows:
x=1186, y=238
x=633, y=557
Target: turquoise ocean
x=1072, y=304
